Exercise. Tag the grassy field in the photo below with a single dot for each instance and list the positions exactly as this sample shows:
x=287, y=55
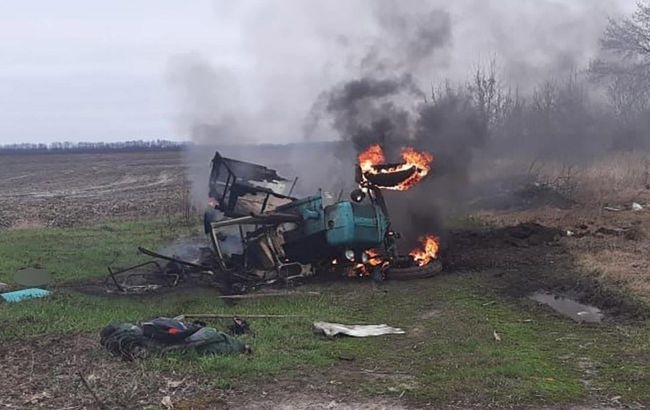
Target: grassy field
x=449, y=355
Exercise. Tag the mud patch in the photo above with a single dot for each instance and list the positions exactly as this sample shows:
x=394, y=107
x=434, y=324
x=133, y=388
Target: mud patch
x=505, y=247
x=522, y=259
x=521, y=235
x=568, y=307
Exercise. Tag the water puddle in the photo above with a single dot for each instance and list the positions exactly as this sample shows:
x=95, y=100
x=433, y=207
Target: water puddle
x=569, y=307
x=32, y=277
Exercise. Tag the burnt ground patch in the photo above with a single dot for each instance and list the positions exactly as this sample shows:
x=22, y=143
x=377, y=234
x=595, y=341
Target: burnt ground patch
x=529, y=257
x=519, y=260
x=519, y=192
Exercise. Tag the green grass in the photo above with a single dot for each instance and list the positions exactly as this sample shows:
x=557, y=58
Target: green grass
x=449, y=353
x=80, y=252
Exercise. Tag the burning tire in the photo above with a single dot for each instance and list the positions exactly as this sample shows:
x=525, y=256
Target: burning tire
x=414, y=272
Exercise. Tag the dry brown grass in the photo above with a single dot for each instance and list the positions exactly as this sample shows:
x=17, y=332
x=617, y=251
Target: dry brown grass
x=618, y=177
x=617, y=181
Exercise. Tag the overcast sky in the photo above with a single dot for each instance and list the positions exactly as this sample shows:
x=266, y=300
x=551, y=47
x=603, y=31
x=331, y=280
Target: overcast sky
x=73, y=70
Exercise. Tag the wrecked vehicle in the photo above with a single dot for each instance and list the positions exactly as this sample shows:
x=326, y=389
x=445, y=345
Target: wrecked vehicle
x=259, y=230
x=261, y=234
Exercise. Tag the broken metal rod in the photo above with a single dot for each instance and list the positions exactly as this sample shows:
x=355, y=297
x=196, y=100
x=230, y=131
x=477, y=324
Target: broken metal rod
x=117, y=284
x=231, y=315
x=112, y=273
x=262, y=295
x=293, y=186
x=172, y=259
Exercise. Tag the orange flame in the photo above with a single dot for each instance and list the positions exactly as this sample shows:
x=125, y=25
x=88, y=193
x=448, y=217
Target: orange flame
x=411, y=159
x=427, y=252
x=374, y=155
x=374, y=259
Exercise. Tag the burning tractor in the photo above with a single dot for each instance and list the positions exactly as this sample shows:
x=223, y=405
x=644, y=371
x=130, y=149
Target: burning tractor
x=261, y=233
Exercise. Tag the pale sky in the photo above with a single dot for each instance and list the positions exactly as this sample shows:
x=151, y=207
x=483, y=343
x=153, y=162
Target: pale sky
x=73, y=70
x=94, y=70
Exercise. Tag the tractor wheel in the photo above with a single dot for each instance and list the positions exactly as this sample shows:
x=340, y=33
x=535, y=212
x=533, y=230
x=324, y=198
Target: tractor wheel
x=415, y=272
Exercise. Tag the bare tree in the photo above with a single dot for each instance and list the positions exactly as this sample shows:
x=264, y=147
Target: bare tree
x=624, y=62
x=489, y=95
x=625, y=46
x=623, y=67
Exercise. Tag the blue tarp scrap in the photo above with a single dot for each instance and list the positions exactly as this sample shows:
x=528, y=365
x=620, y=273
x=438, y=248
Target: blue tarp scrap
x=18, y=295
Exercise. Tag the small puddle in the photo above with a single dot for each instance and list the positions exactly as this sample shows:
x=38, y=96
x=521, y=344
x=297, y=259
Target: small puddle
x=569, y=307
x=32, y=277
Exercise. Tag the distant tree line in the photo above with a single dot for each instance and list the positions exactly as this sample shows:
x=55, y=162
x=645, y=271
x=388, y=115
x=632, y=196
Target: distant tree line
x=93, y=147
x=600, y=109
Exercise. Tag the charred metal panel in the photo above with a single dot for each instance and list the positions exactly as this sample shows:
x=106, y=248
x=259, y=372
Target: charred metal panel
x=241, y=188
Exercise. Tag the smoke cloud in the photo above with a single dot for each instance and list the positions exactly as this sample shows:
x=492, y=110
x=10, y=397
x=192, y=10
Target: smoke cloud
x=285, y=54
x=495, y=77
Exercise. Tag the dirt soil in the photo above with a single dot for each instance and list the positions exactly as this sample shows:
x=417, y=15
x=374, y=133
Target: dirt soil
x=530, y=257
x=609, y=248
x=47, y=372
x=73, y=189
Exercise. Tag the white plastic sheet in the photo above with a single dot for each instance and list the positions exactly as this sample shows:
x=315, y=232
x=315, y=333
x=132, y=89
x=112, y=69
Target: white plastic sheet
x=333, y=329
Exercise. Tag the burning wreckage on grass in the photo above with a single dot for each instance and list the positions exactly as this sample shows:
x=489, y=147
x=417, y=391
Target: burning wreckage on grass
x=260, y=234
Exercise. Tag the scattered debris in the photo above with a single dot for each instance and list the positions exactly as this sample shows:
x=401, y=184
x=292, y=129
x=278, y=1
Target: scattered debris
x=632, y=231
x=4, y=287
x=153, y=275
x=610, y=231
x=167, y=402
x=496, y=336
x=568, y=307
x=238, y=327
x=131, y=341
x=333, y=329
x=635, y=206
x=19, y=295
